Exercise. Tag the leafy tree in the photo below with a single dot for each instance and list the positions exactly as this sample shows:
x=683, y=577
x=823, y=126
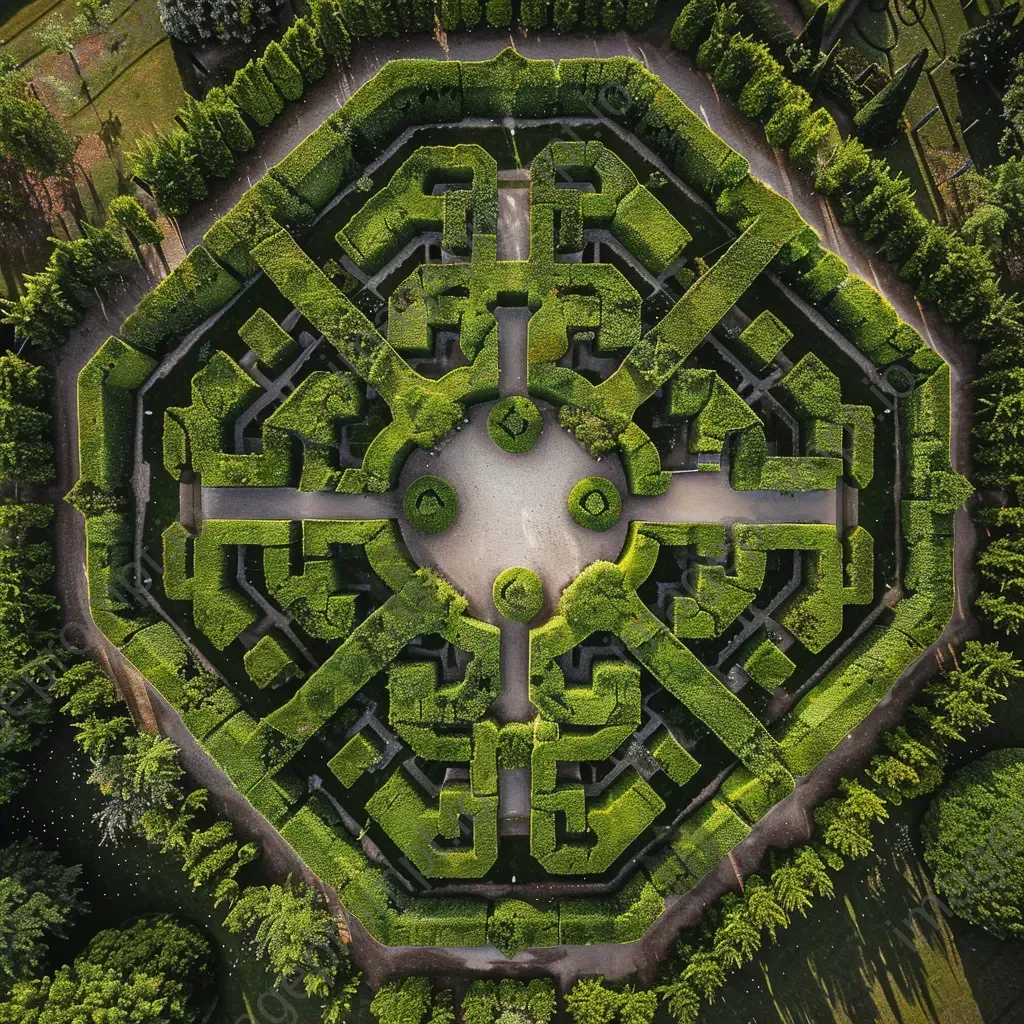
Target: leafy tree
x=846, y=822
x=38, y=897
x=499, y=13
x=227, y=21
x=292, y=929
x=974, y=843
x=878, y=121
x=230, y=123
x=142, y=777
x=694, y=19
x=29, y=134
x=521, y=1002
x=639, y=14
x=157, y=970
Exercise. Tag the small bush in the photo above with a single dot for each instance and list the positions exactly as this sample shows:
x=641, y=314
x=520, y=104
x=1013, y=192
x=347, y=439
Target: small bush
x=518, y=593
x=430, y=504
x=514, y=424
x=595, y=503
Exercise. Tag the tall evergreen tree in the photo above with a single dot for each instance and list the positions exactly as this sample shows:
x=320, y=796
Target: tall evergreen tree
x=327, y=16
x=303, y=47
x=281, y=71
x=230, y=123
x=212, y=154
x=878, y=121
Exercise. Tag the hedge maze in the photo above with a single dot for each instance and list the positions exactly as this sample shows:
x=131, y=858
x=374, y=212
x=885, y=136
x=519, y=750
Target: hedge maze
x=684, y=322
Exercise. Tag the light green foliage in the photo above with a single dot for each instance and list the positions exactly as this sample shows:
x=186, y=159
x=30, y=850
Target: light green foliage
x=430, y=504
x=514, y=424
x=518, y=593
x=595, y=502
x=768, y=666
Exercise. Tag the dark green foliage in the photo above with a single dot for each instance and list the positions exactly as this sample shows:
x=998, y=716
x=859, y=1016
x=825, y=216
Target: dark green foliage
x=514, y=424
x=233, y=129
x=565, y=15
x=430, y=504
x=878, y=121
x=499, y=13
x=974, y=843
x=281, y=71
x=330, y=24
x=595, y=503
x=38, y=897
x=991, y=48
x=302, y=46
x=31, y=138
x=227, y=21
x=639, y=14
x=26, y=453
x=518, y=593
x=157, y=969
x=494, y=1002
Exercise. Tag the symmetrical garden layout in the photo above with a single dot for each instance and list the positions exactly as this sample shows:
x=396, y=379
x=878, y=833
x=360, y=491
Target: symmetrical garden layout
x=502, y=343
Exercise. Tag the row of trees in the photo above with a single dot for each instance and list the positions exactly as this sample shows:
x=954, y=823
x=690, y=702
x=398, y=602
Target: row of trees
x=55, y=300
x=141, y=776
x=911, y=763
x=180, y=165
x=29, y=632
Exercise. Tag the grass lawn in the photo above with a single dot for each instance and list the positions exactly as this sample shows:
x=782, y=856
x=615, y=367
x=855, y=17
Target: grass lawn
x=133, y=879
x=132, y=75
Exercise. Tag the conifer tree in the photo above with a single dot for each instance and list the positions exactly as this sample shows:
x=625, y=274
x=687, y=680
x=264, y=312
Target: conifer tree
x=499, y=13
x=327, y=17
x=472, y=13
x=566, y=15
x=212, y=153
x=639, y=13
x=303, y=48
x=282, y=72
x=225, y=113
x=254, y=93
x=878, y=121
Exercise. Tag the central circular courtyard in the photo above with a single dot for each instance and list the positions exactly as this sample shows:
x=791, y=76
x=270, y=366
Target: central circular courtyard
x=513, y=510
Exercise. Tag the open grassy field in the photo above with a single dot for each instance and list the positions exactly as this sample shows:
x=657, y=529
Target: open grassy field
x=130, y=79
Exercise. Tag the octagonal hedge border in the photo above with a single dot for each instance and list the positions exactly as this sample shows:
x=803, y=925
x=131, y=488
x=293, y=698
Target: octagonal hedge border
x=772, y=235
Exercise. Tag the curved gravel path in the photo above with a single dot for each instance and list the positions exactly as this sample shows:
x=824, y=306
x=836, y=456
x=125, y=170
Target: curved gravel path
x=786, y=824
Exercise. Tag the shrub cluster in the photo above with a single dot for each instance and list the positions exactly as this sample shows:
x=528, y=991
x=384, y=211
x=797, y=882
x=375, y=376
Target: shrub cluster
x=514, y=424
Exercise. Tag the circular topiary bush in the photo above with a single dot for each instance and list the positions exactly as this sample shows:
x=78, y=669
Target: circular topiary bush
x=430, y=504
x=595, y=503
x=518, y=593
x=515, y=424
x=974, y=843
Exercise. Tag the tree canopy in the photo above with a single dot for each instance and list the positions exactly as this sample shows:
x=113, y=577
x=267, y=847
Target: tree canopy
x=974, y=843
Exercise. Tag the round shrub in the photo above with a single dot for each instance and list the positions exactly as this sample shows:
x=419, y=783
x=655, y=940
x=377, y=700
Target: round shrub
x=515, y=424
x=518, y=593
x=974, y=843
x=430, y=504
x=595, y=503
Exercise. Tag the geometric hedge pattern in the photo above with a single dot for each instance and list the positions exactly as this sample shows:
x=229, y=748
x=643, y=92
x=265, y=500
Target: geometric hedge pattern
x=682, y=315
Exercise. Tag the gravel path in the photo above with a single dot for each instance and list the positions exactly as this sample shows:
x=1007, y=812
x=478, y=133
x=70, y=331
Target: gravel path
x=786, y=824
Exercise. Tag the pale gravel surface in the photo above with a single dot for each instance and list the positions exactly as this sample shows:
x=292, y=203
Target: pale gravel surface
x=789, y=822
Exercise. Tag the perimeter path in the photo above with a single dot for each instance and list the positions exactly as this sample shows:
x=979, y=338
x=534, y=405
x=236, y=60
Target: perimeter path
x=786, y=824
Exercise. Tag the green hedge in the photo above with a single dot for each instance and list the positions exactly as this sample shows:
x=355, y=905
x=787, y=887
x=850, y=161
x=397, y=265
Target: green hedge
x=595, y=503
x=430, y=504
x=518, y=593
x=514, y=424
